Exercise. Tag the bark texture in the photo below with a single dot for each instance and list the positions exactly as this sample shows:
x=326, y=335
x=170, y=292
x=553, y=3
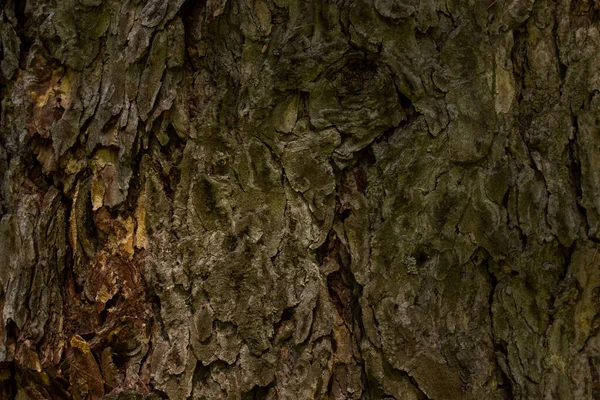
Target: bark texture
x=298, y=199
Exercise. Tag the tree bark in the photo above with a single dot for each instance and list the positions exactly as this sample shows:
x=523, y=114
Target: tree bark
x=300, y=199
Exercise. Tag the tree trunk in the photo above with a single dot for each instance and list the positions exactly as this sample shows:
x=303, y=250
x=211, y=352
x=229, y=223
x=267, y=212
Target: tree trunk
x=300, y=199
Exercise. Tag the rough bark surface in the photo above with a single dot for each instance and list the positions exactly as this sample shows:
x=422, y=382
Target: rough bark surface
x=298, y=199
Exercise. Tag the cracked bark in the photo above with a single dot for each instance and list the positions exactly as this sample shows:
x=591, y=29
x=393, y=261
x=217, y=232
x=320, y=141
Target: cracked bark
x=285, y=199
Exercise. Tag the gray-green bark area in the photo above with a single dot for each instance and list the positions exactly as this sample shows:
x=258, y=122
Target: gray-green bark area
x=299, y=199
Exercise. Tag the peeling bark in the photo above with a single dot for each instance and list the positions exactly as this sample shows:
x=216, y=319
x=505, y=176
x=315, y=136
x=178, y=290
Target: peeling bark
x=285, y=199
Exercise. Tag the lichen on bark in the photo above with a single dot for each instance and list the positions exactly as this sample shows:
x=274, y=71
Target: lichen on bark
x=288, y=199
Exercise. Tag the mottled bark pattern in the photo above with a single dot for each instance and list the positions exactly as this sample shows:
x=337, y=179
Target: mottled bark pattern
x=298, y=199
